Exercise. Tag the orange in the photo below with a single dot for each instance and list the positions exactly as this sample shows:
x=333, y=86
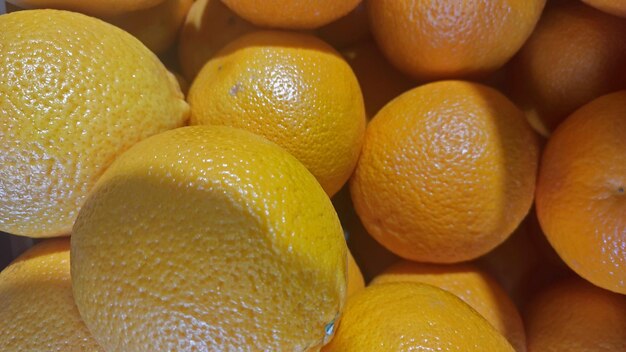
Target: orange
x=380, y=82
x=208, y=238
x=293, y=89
x=209, y=26
x=581, y=202
x=38, y=311
x=347, y=30
x=575, y=55
x=525, y=263
x=614, y=7
x=369, y=254
x=75, y=92
x=93, y=7
x=291, y=14
x=412, y=317
x=355, y=278
x=576, y=316
x=447, y=172
x=450, y=38
x=471, y=285
x=157, y=27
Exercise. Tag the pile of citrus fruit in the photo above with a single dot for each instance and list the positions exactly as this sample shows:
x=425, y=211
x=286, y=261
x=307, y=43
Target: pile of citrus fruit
x=294, y=175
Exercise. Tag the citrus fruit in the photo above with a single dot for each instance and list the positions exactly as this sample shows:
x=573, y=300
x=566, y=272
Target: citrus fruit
x=182, y=82
x=471, y=285
x=447, y=172
x=576, y=316
x=208, y=238
x=355, y=278
x=372, y=257
x=291, y=88
x=380, y=82
x=581, y=200
x=157, y=27
x=369, y=254
x=93, y=7
x=74, y=93
x=209, y=26
x=291, y=14
x=525, y=263
x=38, y=311
x=576, y=54
x=449, y=38
x=412, y=317
x=347, y=30
x=614, y=7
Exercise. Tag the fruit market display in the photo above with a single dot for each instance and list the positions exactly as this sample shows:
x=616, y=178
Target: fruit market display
x=297, y=175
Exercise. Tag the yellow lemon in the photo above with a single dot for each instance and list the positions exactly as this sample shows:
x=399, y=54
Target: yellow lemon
x=208, y=238
x=75, y=92
x=38, y=311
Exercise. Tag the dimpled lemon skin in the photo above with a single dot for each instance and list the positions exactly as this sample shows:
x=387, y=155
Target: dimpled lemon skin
x=37, y=310
x=293, y=89
x=74, y=93
x=208, y=238
x=412, y=317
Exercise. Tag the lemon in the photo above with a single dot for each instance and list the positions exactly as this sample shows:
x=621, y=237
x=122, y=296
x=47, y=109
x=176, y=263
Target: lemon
x=208, y=238
x=75, y=92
